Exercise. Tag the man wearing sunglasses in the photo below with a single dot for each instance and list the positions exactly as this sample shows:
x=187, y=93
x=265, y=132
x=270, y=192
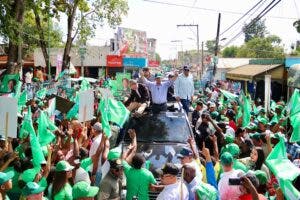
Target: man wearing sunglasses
x=174, y=189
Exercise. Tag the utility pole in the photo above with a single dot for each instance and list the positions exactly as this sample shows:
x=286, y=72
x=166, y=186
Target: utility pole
x=198, y=46
x=49, y=63
x=217, y=46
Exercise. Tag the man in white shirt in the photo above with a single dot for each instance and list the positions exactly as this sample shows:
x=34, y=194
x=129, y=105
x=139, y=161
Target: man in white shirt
x=174, y=189
x=225, y=189
x=184, y=89
x=97, y=132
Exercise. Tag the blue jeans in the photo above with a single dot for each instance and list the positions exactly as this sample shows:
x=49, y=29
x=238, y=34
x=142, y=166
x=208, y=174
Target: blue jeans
x=185, y=105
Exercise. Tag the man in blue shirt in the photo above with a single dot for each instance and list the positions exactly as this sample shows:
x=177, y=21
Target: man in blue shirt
x=159, y=91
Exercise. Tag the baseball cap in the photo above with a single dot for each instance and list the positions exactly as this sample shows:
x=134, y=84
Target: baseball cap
x=278, y=106
x=29, y=175
x=63, y=166
x=212, y=105
x=115, y=164
x=114, y=154
x=255, y=135
x=2, y=138
x=169, y=168
x=231, y=148
x=97, y=126
x=32, y=188
x=261, y=176
x=251, y=126
x=214, y=114
x=83, y=189
x=262, y=120
x=158, y=75
x=185, y=67
x=184, y=152
x=4, y=177
x=228, y=138
x=226, y=158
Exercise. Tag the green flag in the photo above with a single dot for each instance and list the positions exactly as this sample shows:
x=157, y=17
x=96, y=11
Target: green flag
x=104, y=117
x=85, y=85
x=229, y=95
x=41, y=94
x=23, y=99
x=36, y=149
x=294, y=110
x=273, y=105
x=114, y=111
x=246, y=111
x=45, y=128
x=283, y=168
x=289, y=191
x=73, y=112
x=25, y=126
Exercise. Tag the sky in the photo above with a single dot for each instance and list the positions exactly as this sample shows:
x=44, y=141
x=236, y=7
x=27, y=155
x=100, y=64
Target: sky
x=160, y=21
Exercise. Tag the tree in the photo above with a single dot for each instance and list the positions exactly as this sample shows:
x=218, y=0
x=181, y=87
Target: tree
x=210, y=45
x=296, y=24
x=83, y=17
x=268, y=47
x=157, y=57
x=11, y=21
x=254, y=30
x=230, y=52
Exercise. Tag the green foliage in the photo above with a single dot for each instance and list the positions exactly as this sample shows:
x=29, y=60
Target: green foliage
x=210, y=45
x=230, y=52
x=255, y=30
x=31, y=33
x=296, y=24
x=262, y=48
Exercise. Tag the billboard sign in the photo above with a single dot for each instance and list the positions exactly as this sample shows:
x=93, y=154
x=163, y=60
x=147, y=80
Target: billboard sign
x=153, y=63
x=134, y=62
x=131, y=42
x=114, y=61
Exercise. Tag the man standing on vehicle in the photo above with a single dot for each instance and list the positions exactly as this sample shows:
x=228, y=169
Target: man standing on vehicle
x=184, y=89
x=159, y=91
x=138, y=98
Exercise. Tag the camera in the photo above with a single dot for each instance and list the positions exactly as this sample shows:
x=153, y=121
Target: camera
x=234, y=181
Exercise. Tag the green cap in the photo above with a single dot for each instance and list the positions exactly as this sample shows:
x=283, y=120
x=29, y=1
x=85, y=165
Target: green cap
x=63, y=166
x=280, y=107
x=232, y=148
x=277, y=135
x=206, y=191
x=214, y=114
x=158, y=75
x=114, y=154
x=228, y=138
x=255, y=135
x=4, y=177
x=32, y=188
x=251, y=127
x=83, y=189
x=226, y=158
x=262, y=120
x=261, y=176
x=29, y=175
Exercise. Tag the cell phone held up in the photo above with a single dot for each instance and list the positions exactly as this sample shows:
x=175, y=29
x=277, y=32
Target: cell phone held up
x=234, y=181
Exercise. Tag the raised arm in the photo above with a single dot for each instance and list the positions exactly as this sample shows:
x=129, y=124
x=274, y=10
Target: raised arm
x=132, y=147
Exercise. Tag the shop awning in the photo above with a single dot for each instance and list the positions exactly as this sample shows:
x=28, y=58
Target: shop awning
x=251, y=72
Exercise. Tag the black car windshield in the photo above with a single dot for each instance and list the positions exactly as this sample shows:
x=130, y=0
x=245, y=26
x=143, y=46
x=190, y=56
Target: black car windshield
x=159, y=128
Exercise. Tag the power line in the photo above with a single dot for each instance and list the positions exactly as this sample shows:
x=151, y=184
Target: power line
x=256, y=19
x=242, y=17
x=209, y=9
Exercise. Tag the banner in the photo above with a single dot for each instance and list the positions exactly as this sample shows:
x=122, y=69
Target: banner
x=58, y=65
x=134, y=62
x=9, y=83
x=132, y=42
x=114, y=61
x=86, y=105
x=8, y=116
x=153, y=63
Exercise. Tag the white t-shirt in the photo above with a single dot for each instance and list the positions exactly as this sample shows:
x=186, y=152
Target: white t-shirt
x=226, y=190
x=174, y=191
x=94, y=147
x=28, y=77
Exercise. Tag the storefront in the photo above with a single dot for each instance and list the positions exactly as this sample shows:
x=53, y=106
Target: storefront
x=114, y=64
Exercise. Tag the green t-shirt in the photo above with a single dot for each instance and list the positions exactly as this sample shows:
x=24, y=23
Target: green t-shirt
x=138, y=181
x=65, y=193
